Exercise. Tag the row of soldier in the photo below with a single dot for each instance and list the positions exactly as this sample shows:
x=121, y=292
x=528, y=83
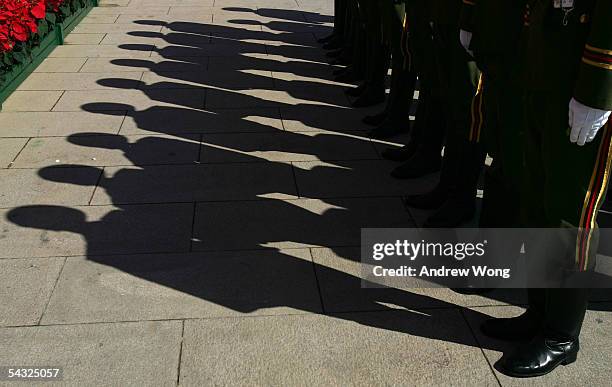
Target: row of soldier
x=528, y=82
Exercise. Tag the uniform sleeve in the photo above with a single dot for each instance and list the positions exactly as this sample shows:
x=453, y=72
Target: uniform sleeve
x=594, y=84
x=466, y=18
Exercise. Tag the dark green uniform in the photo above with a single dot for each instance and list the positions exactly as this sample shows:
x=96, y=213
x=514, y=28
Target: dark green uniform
x=403, y=75
x=497, y=109
x=567, y=53
x=458, y=76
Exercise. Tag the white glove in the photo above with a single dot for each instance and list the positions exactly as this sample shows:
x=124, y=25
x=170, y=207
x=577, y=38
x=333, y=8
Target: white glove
x=466, y=38
x=585, y=122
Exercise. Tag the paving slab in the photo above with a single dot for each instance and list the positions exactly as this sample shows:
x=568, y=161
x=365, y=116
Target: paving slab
x=33, y=187
x=101, y=51
x=26, y=288
x=292, y=223
x=173, y=286
x=133, y=37
x=152, y=10
x=171, y=50
x=233, y=81
x=89, y=38
x=9, y=149
x=173, y=121
x=189, y=183
x=113, y=100
x=144, y=353
x=312, y=118
x=45, y=231
x=108, y=150
x=339, y=273
x=44, y=124
x=343, y=350
x=593, y=366
x=31, y=101
x=161, y=20
x=96, y=19
x=156, y=64
x=74, y=81
x=256, y=98
x=60, y=65
x=366, y=178
x=114, y=28
x=284, y=146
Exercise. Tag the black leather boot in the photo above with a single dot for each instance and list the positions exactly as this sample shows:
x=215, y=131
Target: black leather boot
x=523, y=327
x=540, y=357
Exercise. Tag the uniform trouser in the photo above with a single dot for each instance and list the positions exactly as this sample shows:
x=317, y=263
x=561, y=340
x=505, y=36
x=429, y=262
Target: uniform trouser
x=564, y=188
x=403, y=73
x=377, y=51
x=430, y=124
x=458, y=73
x=339, y=16
x=500, y=110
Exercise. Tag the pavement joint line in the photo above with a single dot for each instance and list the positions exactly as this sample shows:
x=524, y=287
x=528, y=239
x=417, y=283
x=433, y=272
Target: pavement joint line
x=57, y=101
x=125, y=114
x=180, y=355
x=475, y=337
x=42, y=315
x=306, y=314
x=196, y=163
x=316, y=277
x=10, y=165
x=98, y=181
x=295, y=181
x=81, y=68
x=258, y=199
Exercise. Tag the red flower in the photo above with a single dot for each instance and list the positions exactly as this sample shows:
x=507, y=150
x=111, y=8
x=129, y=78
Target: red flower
x=38, y=11
x=19, y=19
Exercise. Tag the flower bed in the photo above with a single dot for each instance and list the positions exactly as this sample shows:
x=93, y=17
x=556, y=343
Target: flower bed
x=29, y=30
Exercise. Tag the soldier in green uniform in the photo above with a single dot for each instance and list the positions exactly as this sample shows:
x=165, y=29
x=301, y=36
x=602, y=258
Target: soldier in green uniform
x=421, y=155
x=455, y=195
x=490, y=32
x=395, y=119
x=566, y=47
x=372, y=91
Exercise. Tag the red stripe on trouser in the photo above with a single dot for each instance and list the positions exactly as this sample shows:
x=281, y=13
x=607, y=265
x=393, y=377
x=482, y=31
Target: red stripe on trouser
x=601, y=166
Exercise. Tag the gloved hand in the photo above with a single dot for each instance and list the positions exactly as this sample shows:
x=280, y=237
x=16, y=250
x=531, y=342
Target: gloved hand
x=466, y=38
x=585, y=122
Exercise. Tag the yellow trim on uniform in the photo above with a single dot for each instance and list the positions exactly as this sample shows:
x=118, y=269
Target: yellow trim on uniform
x=604, y=183
x=598, y=50
x=597, y=64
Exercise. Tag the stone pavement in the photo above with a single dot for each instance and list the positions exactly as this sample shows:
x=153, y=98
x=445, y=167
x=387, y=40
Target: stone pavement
x=182, y=192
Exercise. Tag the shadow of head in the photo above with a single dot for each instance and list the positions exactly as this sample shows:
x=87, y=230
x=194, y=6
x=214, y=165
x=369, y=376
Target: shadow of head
x=151, y=22
x=99, y=140
x=52, y=218
x=108, y=108
x=70, y=174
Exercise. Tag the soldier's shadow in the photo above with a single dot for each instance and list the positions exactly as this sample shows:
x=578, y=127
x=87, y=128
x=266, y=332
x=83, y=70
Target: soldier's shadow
x=225, y=233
